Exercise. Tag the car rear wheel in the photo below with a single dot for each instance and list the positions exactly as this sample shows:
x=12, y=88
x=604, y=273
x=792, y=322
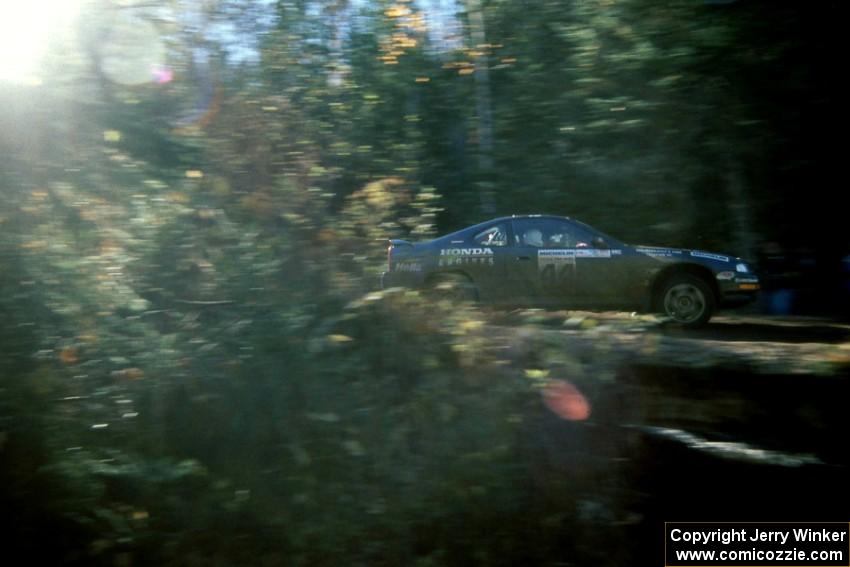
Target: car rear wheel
x=687, y=300
x=454, y=287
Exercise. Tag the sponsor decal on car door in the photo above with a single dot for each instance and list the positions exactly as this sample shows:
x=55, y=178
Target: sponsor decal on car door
x=580, y=275
x=556, y=269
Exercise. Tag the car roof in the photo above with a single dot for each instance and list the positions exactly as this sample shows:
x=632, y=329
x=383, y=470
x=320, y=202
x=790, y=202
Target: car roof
x=482, y=224
x=541, y=216
x=533, y=216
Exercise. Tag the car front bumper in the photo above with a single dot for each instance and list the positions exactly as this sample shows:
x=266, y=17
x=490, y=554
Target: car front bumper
x=741, y=289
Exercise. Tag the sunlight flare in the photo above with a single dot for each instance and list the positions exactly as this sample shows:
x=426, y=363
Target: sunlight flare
x=26, y=29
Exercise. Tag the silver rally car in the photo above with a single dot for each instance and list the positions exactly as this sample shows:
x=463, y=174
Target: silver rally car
x=552, y=261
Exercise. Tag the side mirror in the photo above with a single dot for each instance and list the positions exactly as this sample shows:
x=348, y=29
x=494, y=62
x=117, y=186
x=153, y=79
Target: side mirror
x=600, y=243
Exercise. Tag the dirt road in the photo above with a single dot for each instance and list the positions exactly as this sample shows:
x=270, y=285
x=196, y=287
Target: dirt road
x=757, y=344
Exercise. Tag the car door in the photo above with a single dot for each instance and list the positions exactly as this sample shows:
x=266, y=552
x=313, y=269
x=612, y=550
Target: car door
x=574, y=266
x=537, y=271
x=522, y=284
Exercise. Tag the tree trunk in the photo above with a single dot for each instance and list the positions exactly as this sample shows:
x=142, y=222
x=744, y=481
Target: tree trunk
x=739, y=212
x=483, y=107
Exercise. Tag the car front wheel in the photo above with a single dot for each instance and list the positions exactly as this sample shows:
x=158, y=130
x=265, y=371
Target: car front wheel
x=687, y=300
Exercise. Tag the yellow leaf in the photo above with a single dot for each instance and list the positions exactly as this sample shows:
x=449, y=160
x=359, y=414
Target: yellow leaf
x=68, y=355
x=177, y=197
x=470, y=325
x=536, y=374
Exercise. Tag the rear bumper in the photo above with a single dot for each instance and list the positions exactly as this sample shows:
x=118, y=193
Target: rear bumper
x=397, y=279
x=402, y=279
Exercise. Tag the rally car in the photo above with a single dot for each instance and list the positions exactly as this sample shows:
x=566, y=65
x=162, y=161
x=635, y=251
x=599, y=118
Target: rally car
x=551, y=261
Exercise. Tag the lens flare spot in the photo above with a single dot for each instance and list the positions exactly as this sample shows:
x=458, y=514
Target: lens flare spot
x=162, y=74
x=133, y=50
x=565, y=401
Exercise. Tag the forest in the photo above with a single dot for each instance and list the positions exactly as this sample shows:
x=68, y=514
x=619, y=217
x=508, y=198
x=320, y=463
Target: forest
x=197, y=363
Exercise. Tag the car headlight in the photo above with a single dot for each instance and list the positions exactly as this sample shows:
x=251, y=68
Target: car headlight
x=742, y=268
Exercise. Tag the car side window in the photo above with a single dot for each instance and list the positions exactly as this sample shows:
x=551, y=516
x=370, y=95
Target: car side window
x=496, y=235
x=551, y=233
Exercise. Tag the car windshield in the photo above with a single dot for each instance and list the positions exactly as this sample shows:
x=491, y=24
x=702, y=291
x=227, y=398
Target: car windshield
x=612, y=242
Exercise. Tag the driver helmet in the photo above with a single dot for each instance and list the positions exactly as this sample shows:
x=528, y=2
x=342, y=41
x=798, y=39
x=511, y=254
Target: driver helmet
x=533, y=237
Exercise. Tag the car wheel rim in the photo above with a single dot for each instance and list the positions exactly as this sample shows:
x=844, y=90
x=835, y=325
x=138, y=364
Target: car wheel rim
x=685, y=303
